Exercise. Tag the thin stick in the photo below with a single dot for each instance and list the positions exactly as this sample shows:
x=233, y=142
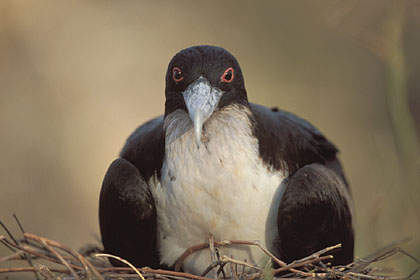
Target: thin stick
x=201, y=246
x=26, y=256
x=213, y=255
x=255, y=276
x=299, y=264
x=51, y=243
x=29, y=269
x=123, y=261
x=410, y=256
x=222, y=269
x=46, y=243
x=29, y=250
x=388, y=251
x=63, y=261
x=120, y=276
x=319, y=253
x=4, y=241
x=174, y=273
x=8, y=233
x=85, y=263
x=227, y=259
x=278, y=261
x=233, y=270
x=157, y=271
x=13, y=256
x=20, y=225
x=189, y=251
x=89, y=267
x=45, y=272
x=210, y=267
x=375, y=277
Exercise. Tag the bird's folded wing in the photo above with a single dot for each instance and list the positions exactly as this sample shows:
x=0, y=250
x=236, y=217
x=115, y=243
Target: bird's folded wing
x=127, y=215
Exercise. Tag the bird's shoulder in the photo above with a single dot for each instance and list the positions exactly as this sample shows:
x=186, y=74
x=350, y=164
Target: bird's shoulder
x=287, y=141
x=145, y=148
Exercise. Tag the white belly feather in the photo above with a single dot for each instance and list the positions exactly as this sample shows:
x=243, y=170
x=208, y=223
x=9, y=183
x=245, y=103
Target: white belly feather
x=221, y=189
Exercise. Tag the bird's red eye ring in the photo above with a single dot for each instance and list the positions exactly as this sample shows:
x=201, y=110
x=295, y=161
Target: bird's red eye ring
x=177, y=74
x=227, y=77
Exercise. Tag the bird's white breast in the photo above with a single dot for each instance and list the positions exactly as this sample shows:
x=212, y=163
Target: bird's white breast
x=220, y=189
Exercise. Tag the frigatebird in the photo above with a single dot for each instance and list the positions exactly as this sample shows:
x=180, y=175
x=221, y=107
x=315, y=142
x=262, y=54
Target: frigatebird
x=216, y=165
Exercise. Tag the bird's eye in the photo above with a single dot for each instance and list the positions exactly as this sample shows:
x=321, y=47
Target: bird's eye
x=177, y=74
x=227, y=77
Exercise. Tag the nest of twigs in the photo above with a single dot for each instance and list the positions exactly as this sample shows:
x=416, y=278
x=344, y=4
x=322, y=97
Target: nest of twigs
x=51, y=260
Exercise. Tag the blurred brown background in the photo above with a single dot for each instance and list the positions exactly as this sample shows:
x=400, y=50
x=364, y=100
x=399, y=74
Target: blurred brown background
x=77, y=77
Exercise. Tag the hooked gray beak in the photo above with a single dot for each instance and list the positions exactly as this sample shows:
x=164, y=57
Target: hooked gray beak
x=201, y=100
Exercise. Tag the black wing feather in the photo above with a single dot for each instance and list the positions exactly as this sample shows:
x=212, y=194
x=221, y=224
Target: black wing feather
x=127, y=212
x=288, y=142
x=314, y=213
x=145, y=148
x=127, y=216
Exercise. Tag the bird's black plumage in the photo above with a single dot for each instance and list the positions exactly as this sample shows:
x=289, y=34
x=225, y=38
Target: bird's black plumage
x=301, y=143
x=127, y=214
x=145, y=148
x=314, y=211
x=314, y=214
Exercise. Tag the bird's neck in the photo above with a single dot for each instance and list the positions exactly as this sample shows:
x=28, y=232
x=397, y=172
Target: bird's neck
x=228, y=125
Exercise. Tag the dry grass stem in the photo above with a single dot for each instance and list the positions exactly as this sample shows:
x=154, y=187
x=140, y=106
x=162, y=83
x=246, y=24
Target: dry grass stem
x=123, y=261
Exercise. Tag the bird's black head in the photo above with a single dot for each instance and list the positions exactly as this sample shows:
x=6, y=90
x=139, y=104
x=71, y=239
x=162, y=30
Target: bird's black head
x=203, y=79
